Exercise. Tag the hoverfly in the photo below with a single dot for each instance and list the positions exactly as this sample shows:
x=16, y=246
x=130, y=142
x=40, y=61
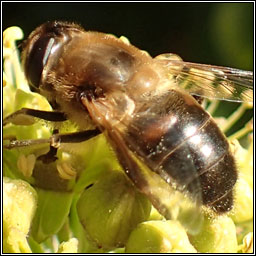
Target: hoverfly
x=145, y=106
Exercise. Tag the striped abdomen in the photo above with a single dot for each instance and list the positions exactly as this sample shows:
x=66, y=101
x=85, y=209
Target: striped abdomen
x=179, y=140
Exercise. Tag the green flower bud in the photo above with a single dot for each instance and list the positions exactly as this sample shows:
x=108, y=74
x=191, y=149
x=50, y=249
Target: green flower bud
x=218, y=235
x=159, y=237
x=19, y=206
x=110, y=209
x=52, y=212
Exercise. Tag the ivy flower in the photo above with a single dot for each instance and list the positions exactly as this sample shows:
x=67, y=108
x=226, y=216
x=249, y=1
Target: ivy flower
x=83, y=202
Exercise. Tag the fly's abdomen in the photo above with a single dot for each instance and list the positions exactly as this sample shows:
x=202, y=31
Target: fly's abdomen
x=206, y=152
x=181, y=142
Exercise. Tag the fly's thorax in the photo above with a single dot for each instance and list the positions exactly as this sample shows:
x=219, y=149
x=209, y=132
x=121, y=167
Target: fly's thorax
x=89, y=60
x=144, y=82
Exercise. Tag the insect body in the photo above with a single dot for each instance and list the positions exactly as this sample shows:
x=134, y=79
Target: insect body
x=143, y=106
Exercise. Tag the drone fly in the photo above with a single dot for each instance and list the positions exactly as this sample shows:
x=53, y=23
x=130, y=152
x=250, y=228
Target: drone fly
x=147, y=108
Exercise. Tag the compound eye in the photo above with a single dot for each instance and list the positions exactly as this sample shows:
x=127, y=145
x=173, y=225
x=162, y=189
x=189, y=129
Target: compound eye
x=37, y=59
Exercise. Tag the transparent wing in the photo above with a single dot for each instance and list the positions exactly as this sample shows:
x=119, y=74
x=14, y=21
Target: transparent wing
x=209, y=81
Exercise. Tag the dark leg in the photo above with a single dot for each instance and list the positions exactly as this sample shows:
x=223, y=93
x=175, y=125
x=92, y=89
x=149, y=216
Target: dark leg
x=51, y=155
x=55, y=140
x=16, y=117
x=75, y=137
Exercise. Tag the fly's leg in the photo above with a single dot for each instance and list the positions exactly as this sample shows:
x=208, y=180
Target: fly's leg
x=55, y=140
x=51, y=155
x=25, y=116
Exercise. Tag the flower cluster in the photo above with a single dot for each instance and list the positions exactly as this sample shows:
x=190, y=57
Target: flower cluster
x=83, y=202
